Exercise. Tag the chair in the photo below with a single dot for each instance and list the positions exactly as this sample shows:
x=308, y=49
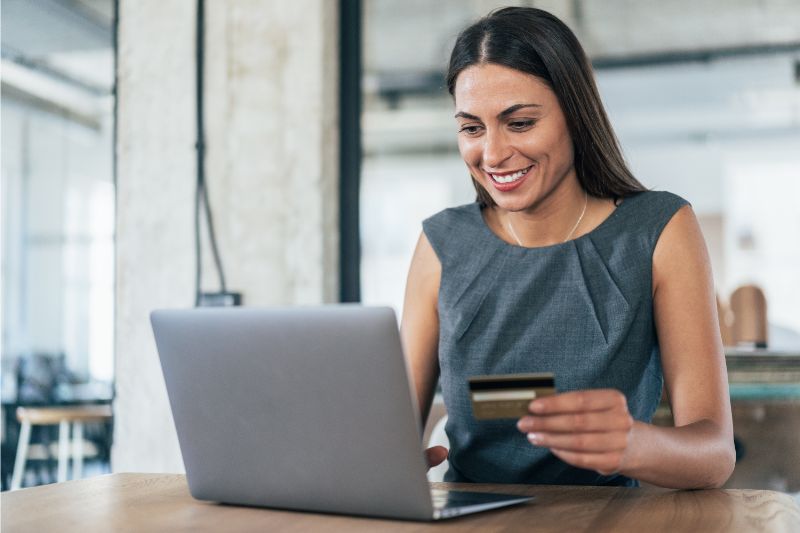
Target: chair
x=749, y=308
x=66, y=418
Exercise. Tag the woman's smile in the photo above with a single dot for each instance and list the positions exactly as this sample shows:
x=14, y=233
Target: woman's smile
x=506, y=181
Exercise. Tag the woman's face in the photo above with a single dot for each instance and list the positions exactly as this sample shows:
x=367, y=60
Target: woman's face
x=512, y=135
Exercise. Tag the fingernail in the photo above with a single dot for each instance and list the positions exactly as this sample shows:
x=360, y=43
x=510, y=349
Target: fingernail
x=534, y=437
x=521, y=425
x=537, y=407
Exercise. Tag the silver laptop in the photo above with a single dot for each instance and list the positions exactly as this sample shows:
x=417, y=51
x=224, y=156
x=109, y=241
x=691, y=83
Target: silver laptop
x=301, y=408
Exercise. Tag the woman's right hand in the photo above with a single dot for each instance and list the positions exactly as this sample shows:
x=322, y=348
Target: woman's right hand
x=435, y=455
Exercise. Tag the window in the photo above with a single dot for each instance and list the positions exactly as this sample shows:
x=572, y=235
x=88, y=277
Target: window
x=57, y=187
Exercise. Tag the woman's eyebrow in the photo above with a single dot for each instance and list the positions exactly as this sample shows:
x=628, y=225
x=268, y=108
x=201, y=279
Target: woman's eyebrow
x=504, y=113
x=464, y=114
x=515, y=107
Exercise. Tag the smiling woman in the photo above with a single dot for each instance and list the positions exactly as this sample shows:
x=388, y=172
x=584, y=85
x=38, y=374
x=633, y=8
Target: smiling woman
x=565, y=264
x=520, y=154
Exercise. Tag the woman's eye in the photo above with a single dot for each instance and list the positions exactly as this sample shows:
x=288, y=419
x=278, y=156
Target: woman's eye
x=521, y=124
x=469, y=130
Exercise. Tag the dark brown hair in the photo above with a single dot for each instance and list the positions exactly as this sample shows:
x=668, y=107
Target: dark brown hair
x=535, y=42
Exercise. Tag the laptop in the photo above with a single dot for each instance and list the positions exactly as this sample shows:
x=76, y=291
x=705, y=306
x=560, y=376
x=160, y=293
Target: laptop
x=302, y=408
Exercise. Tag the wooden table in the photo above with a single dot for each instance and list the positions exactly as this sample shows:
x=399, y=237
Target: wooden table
x=161, y=502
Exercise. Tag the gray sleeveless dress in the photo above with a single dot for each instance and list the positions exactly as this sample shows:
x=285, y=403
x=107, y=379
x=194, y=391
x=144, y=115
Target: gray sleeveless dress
x=582, y=310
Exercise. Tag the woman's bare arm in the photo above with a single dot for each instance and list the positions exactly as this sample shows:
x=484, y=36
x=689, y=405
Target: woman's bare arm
x=698, y=452
x=419, y=330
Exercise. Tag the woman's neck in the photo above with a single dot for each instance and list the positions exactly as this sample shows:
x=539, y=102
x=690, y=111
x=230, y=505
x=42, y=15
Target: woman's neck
x=554, y=219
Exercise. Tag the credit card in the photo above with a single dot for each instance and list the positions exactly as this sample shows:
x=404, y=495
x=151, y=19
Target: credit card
x=508, y=395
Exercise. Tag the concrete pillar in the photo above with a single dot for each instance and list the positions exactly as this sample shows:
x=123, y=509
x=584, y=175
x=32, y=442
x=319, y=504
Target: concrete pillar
x=271, y=131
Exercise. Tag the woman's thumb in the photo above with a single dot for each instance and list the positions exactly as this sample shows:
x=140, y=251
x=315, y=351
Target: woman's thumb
x=435, y=455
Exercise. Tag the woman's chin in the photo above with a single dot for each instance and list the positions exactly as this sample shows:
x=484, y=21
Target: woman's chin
x=510, y=204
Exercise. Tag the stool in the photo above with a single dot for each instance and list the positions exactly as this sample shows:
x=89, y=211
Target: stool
x=64, y=417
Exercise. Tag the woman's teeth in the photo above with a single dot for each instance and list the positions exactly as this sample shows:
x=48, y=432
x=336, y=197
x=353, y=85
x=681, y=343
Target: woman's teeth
x=508, y=178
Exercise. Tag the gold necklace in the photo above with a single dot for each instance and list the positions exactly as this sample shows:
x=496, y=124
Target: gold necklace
x=578, y=223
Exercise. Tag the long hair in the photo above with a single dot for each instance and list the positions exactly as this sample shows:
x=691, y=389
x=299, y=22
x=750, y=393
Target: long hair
x=535, y=42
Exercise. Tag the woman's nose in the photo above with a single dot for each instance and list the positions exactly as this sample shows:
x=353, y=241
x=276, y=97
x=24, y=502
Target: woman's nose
x=496, y=149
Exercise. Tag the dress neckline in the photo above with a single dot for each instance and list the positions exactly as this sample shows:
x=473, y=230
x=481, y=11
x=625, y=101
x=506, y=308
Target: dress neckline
x=606, y=221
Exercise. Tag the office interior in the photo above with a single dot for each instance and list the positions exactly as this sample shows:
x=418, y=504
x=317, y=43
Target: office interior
x=327, y=138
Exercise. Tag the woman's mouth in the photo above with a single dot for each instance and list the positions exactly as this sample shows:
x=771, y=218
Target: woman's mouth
x=505, y=181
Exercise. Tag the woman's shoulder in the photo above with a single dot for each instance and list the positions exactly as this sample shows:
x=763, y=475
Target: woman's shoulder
x=650, y=200
x=638, y=220
x=452, y=218
x=649, y=211
x=463, y=220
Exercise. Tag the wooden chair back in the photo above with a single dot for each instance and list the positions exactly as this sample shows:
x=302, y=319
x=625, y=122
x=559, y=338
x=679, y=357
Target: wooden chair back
x=749, y=309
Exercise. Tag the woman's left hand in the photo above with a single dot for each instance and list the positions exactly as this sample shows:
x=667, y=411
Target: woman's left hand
x=589, y=429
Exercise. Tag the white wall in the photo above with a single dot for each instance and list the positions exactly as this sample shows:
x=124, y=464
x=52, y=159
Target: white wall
x=271, y=115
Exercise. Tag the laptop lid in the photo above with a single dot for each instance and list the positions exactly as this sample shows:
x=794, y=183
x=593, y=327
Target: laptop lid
x=297, y=408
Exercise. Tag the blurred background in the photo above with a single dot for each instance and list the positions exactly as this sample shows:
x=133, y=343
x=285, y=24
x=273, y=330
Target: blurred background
x=57, y=219
x=330, y=137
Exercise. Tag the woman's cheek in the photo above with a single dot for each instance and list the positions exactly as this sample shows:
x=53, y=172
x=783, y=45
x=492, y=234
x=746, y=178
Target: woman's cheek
x=470, y=150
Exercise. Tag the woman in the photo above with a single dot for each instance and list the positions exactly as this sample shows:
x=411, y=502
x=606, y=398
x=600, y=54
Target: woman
x=565, y=264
